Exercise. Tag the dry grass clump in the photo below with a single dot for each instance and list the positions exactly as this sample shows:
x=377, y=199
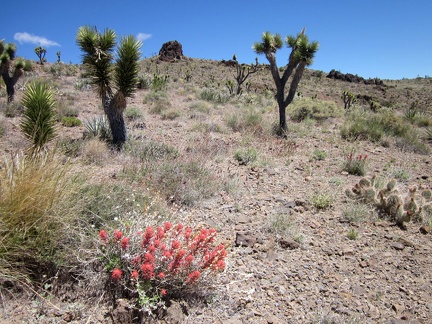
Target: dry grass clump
x=95, y=151
x=35, y=198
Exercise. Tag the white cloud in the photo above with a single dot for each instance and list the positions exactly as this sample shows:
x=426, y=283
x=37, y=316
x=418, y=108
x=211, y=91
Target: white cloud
x=34, y=39
x=142, y=37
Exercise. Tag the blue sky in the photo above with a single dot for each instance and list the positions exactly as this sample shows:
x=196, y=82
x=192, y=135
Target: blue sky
x=389, y=39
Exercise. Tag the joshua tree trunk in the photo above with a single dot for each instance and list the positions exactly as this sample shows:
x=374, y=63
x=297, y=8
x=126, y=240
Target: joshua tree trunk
x=10, y=82
x=114, y=107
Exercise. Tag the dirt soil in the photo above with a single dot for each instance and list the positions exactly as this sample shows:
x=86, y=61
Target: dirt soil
x=312, y=273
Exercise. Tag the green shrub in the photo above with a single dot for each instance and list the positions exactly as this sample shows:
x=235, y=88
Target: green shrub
x=214, y=96
x=184, y=182
x=321, y=200
x=170, y=115
x=71, y=122
x=319, y=155
x=133, y=113
x=246, y=156
x=352, y=234
x=373, y=126
x=159, y=101
x=355, y=165
x=149, y=151
x=159, y=83
x=306, y=108
x=70, y=147
x=144, y=81
x=356, y=212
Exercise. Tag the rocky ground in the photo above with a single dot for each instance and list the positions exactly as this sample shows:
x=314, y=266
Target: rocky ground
x=308, y=271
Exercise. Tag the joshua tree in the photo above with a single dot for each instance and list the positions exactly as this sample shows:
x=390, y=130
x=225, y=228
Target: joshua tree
x=243, y=71
x=115, y=81
x=40, y=52
x=7, y=55
x=302, y=54
x=58, y=56
x=348, y=99
x=38, y=124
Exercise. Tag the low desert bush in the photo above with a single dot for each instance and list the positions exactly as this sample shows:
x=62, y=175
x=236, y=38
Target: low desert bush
x=71, y=122
x=133, y=113
x=246, y=156
x=360, y=125
x=356, y=212
x=321, y=200
x=306, y=108
x=355, y=165
x=94, y=151
x=184, y=181
x=214, y=96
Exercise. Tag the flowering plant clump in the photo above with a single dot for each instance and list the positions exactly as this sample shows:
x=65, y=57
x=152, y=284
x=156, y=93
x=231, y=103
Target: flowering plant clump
x=159, y=261
x=355, y=165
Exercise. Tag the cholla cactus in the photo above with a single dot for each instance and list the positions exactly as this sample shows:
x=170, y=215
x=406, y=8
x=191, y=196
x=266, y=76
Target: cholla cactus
x=388, y=202
x=7, y=56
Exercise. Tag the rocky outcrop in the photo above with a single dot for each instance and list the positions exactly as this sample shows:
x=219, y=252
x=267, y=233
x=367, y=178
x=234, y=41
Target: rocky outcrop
x=348, y=77
x=171, y=51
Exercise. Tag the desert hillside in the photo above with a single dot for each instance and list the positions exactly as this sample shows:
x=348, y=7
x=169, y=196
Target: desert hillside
x=305, y=219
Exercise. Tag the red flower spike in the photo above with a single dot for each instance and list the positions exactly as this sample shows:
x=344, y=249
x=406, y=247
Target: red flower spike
x=167, y=226
x=103, y=236
x=147, y=271
x=161, y=275
x=149, y=258
x=175, y=245
x=134, y=275
x=192, y=277
x=116, y=274
x=179, y=227
x=163, y=292
x=124, y=243
x=160, y=233
x=117, y=235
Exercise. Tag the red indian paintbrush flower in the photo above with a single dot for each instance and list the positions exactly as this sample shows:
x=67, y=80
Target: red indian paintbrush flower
x=103, y=236
x=116, y=274
x=117, y=235
x=124, y=243
x=192, y=277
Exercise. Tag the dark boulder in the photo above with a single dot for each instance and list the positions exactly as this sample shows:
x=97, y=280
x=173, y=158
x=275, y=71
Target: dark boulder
x=171, y=51
x=333, y=74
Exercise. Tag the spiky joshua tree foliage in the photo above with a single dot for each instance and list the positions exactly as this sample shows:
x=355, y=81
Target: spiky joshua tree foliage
x=302, y=54
x=7, y=56
x=114, y=74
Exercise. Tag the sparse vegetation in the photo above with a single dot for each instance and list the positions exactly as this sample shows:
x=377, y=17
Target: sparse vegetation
x=182, y=163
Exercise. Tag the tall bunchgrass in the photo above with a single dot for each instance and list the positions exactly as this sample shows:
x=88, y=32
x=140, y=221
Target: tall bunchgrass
x=35, y=215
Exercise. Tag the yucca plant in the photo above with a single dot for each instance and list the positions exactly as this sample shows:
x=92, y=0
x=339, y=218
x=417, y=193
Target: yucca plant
x=39, y=118
x=115, y=76
x=302, y=54
x=7, y=56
